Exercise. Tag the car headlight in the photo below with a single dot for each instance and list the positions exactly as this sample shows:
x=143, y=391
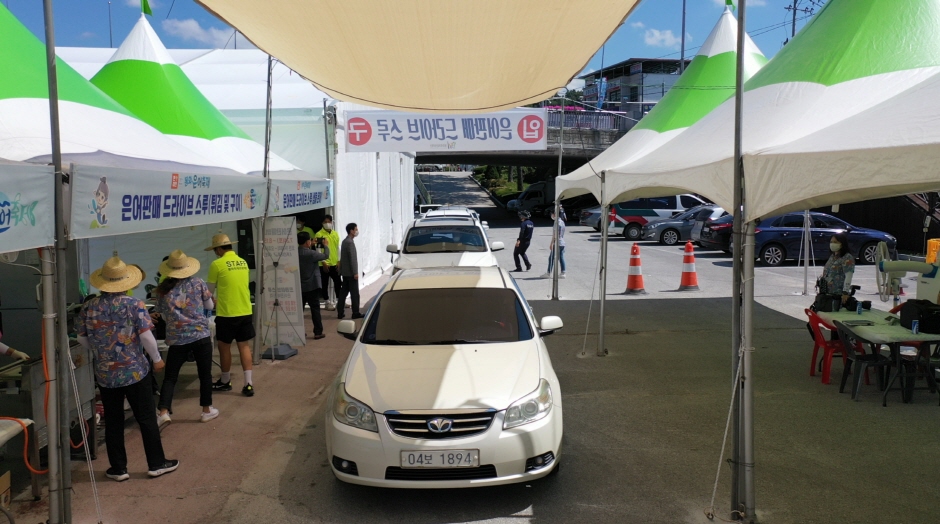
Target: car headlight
x=532, y=407
x=351, y=412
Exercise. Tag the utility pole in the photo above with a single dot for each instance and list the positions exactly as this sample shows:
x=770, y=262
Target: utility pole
x=682, y=50
x=795, y=8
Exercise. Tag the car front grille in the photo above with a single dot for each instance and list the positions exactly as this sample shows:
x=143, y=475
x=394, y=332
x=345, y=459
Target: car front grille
x=418, y=425
x=483, y=472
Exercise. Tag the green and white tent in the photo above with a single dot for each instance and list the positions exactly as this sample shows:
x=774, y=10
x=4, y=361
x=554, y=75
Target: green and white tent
x=94, y=128
x=705, y=84
x=144, y=78
x=847, y=111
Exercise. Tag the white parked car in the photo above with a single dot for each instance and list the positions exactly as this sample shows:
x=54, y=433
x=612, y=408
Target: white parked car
x=452, y=211
x=444, y=242
x=448, y=385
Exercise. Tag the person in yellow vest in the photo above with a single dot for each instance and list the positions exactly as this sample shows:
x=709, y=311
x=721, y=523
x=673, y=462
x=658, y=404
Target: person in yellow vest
x=329, y=268
x=302, y=226
x=228, y=279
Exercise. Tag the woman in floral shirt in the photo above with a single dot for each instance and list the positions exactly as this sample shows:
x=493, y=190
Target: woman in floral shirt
x=182, y=300
x=117, y=330
x=840, y=268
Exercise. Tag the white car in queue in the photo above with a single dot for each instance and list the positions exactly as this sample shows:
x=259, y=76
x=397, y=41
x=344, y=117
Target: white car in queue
x=444, y=242
x=448, y=385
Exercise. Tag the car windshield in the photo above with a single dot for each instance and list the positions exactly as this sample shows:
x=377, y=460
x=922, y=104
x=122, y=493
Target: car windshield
x=444, y=239
x=412, y=317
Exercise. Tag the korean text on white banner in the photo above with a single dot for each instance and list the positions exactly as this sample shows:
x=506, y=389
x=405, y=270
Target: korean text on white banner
x=110, y=201
x=391, y=131
x=297, y=196
x=282, y=320
x=27, y=207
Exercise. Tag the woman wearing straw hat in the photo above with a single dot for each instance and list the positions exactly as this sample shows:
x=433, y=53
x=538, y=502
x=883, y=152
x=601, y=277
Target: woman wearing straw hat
x=182, y=300
x=116, y=327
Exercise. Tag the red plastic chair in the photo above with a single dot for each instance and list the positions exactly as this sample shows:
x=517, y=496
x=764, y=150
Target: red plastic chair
x=830, y=347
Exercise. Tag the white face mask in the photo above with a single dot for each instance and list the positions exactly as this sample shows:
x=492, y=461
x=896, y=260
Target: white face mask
x=328, y=226
x=835, y=247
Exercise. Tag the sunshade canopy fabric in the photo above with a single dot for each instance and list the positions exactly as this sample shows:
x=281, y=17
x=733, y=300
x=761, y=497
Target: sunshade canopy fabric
x=144, y=78
x=821, y=120
x=94, y=128
x=708, y=81
x=430, y=55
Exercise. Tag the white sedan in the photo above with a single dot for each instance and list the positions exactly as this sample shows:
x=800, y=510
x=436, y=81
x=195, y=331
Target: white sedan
x=449, y=385
x=445, y=242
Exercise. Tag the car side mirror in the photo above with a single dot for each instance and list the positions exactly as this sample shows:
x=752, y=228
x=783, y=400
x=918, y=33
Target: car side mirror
x=347, y=328
x=497, y=246
x=392, y=248
x=548, y=325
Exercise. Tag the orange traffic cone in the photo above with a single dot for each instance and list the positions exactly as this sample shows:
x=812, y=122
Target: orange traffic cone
x=689, y=276
x=635, y=274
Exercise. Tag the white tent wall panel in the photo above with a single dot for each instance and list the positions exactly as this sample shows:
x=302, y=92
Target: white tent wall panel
x=148, y=249
x=376, y=191
x=296, y=135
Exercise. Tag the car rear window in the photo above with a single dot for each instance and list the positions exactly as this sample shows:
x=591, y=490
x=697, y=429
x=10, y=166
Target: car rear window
x=444, y=239
x=447, y=316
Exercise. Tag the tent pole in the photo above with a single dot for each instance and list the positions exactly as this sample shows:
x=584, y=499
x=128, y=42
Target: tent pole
x=601, y=350
x=259, y=242
x=737, y=494
x=682, y=49
x=556, y=250
x=59, y=481
x=327, y=151
x=747, y=382
x=807, y=233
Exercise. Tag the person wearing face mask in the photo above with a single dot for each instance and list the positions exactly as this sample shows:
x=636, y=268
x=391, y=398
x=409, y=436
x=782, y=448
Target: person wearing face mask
x=840, y=268
x=329, y=268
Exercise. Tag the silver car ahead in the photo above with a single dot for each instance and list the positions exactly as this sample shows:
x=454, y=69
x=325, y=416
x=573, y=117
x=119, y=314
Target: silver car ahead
x=671, y=231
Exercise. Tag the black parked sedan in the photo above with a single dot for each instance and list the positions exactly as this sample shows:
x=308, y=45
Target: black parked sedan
x=780, y=238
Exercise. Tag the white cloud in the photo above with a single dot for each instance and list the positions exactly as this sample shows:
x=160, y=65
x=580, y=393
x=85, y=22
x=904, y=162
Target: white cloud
x=190, y=29
x=86, y=35
x=657, y=38
x=638, y=25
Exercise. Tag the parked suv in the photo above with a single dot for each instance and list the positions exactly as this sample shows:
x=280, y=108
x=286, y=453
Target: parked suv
x=780, y=238
x=628, y=218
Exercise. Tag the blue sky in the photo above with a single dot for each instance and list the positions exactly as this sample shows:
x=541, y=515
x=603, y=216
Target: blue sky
x=651, y=31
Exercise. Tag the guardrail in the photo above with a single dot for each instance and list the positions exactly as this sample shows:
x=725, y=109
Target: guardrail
x=606, y=120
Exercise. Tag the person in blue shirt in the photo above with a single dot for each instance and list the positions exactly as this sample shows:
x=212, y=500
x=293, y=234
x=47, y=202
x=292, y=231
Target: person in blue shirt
x=522, y=243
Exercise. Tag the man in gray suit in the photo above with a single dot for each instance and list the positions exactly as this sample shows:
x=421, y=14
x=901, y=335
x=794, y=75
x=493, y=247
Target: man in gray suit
x=349, y=272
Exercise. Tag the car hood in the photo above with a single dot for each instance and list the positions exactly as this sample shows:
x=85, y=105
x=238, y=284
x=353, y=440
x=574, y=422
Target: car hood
x=425, y=260
x=653, y=224
x=397, y=378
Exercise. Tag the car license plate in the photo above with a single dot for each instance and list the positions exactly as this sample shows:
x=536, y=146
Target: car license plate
x=443, y=458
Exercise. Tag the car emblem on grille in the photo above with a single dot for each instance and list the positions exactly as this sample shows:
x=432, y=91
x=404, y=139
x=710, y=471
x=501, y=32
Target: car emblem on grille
x=440, y=425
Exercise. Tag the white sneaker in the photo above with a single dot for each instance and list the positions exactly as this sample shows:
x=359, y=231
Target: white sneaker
x=546, y=275
x=331, y=306
x=562, y=275
x=206, y=417
x=163, y=420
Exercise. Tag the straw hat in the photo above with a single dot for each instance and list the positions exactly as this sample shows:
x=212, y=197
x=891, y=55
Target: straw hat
x=220, y=240
x=179, y=265
x=115, y=276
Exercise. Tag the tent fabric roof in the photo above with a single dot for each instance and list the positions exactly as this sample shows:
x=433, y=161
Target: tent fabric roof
x=143, y=77
x=707, y=82
x=804, y=103
x=430, y=55
x=94, y=128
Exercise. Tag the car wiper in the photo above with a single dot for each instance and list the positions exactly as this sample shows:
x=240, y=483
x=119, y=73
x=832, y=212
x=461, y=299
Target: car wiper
x=391, y=342
x=456, y=341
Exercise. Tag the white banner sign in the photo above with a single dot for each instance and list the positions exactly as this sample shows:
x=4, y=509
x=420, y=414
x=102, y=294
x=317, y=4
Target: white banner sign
x=110, y=201
x=27, y=207
x=282, y=314
x=295, y=196
x=391, y=131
